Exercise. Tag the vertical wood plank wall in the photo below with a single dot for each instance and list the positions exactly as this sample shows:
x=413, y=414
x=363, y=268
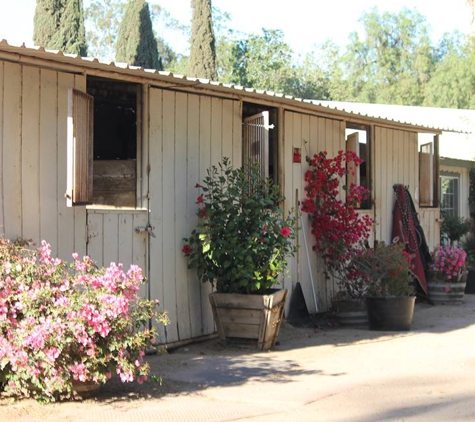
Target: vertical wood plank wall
x=395, y=160
x=312, y=134
x=33, y=118
x=187, y=134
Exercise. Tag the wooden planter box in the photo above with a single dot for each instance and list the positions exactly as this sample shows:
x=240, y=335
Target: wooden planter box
x=255, y=317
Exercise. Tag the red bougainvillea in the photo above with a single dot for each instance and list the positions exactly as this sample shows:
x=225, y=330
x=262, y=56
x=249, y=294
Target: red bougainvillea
x=335, y=223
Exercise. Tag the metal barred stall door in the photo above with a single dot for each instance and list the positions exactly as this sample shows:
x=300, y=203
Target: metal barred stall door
x=256, y=141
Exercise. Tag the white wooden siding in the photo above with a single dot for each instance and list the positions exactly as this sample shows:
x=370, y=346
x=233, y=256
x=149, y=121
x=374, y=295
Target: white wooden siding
x=394, y=160
x=112, y=238
x=312, y=134
x=33, y=109
x=187, y=134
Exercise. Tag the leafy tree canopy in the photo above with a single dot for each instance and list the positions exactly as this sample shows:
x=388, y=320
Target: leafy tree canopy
x=391, y=62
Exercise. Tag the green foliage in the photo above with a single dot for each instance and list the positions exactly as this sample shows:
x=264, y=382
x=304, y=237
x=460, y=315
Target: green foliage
x=453, y=228
x=453, y=82
x=391, y=63
x=202, y=61
x=103, y=19
x=136, y=43
x=385, y=269
x=242, y=241
x=468, y=245
x=59, y=25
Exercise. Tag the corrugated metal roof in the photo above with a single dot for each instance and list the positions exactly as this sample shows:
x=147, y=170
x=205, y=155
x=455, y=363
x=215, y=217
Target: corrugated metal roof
x=59, y=58
x=446, y=119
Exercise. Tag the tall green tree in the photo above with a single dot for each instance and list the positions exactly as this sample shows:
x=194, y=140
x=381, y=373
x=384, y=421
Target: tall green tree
x=261, y=61
x=453, y=82
x=391, y=63
x=59, y=25
x=202, y=62
x=136, y=43
x=103, y=18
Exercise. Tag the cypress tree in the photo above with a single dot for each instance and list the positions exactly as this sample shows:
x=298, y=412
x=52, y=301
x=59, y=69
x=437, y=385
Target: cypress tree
x=136, y=43
x=203, y=49
x=59, y=25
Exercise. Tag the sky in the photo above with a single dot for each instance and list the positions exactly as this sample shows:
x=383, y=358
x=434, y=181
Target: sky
x=305, y=23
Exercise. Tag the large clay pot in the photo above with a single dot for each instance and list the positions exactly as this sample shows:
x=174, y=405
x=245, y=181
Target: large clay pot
x=443, y=291
x=390, y=313
x=256, y=317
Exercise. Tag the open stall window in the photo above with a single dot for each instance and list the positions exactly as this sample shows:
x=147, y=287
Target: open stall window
x=112, y=129
x=358, y=140
x=260, y=138
x=428, y=170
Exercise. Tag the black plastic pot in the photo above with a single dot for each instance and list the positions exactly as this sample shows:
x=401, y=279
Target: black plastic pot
x=470, y=286
x=391, y=313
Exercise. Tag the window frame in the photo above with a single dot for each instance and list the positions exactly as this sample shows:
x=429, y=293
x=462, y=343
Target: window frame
x=368, y=203
x=456, y=195
x=80, y=152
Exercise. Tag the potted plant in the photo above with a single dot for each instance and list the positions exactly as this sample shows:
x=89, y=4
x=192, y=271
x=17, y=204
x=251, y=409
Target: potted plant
x=240, y=246
x=338, y=228
x=66, y=325
x=453, y=229
x=447, y=277
x=386, y=269
x=468, y=245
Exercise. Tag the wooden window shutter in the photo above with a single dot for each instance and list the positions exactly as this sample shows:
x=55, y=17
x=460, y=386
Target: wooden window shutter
x=353, y=144
x=80, y=148
x=256, y=141
x=426, y=174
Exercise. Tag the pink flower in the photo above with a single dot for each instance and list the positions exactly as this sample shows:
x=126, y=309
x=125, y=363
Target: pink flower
x=200, y=199
x=285, y=231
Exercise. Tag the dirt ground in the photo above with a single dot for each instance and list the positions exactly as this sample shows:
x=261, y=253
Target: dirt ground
x=315, y=339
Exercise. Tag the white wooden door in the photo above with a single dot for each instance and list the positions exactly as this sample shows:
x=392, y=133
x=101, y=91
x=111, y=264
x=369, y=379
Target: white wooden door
x=119, y=236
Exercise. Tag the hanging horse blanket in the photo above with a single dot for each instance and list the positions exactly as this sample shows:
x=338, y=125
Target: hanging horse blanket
x=407, y=229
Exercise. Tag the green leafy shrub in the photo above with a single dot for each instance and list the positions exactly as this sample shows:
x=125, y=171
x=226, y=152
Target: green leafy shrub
x=242, y=240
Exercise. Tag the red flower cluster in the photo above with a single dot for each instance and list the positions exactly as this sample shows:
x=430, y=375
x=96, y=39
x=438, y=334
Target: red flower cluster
x=336, y=224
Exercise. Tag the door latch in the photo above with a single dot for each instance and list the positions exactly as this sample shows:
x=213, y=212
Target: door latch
x=148, y=228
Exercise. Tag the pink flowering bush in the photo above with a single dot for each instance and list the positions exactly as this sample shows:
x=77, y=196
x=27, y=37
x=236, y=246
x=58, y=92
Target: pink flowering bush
x=449, y=261
x=242, y=240
x=62, y=323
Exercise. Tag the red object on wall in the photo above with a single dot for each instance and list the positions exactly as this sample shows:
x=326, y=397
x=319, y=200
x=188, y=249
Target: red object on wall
x=297, y=155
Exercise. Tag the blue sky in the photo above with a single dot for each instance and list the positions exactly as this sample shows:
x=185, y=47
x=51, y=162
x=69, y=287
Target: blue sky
x=305, y=23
